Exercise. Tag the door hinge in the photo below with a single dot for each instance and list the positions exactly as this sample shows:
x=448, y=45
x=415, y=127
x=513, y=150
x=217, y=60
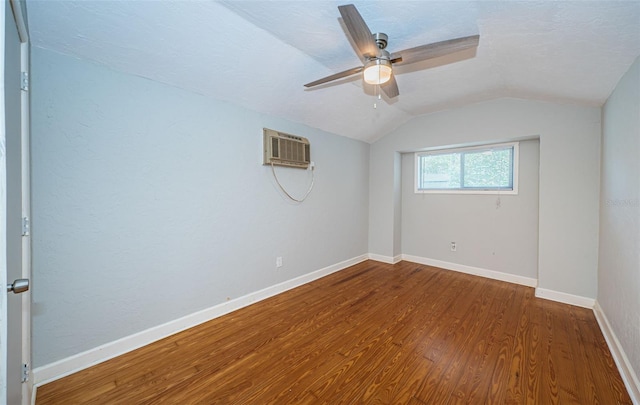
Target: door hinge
x=25, y=372
x=24, y=81
x=26, y=226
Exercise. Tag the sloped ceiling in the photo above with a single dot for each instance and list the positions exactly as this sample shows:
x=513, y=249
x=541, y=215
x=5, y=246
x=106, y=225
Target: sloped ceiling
x=258, y=54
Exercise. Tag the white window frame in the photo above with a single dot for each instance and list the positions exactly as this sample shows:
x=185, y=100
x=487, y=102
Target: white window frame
x=516, y=160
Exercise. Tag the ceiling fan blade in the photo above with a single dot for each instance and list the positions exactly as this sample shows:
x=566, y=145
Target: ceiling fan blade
x=336, y=76
x=390, y=88
x=360, y=33
x=429, y=51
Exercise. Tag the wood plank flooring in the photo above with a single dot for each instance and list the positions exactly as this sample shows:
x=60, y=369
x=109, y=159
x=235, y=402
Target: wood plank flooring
x=370, y=334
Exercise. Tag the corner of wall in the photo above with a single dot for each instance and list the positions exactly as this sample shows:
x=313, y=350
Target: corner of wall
x=565, y=298
x=628, y=374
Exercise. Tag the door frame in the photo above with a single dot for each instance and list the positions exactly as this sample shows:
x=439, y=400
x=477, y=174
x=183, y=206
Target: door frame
x=3, y=220
x=17, y=18
x=27, y=388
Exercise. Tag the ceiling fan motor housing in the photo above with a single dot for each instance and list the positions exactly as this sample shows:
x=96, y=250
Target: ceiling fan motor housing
x=381, y=39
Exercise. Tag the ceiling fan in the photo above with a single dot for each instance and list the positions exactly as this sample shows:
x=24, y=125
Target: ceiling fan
x=378, y=62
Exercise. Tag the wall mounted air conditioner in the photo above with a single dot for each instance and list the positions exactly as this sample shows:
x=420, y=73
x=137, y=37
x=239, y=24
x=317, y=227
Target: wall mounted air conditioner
x=282, y=149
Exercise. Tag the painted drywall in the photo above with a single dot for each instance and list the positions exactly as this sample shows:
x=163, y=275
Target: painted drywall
x=619, y=253
x=493, y=232
x=568, y=183
x=151, y=203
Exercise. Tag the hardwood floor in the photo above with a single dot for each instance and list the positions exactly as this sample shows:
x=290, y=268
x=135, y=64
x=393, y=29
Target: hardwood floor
x=370, y=334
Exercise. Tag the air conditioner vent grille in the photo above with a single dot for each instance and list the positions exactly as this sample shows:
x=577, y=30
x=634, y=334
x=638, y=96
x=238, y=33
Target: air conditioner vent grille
x=286, y=150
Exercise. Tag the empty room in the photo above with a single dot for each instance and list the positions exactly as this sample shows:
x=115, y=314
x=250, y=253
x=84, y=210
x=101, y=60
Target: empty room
x=317, y=202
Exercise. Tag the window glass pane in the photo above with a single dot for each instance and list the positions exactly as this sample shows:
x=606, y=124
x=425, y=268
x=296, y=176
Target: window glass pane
x=482, y=169
x=488, y=168
x=440, y=171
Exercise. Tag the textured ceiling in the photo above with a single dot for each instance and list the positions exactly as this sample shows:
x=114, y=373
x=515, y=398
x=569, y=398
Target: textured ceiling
x=258, y=54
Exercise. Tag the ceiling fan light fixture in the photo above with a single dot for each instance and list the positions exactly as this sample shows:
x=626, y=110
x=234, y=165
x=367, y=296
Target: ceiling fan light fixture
x=377, y=71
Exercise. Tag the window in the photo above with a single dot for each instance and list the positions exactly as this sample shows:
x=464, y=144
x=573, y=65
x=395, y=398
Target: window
x=487, y=169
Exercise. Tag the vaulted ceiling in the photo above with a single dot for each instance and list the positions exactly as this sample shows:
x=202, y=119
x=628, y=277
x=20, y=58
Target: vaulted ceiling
x=258, y=54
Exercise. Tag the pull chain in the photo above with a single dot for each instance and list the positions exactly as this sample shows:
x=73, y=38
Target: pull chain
x=377, y=92
x=375, y=105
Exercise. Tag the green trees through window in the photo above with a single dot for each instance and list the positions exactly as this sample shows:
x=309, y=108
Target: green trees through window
x=484, y=168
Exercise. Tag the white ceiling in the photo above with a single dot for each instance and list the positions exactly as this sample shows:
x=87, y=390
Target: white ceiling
x=258, y=54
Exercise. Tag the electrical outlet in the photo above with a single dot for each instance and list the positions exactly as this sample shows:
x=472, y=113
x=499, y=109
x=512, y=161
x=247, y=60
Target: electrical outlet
x=278, y=261
x=453, y=246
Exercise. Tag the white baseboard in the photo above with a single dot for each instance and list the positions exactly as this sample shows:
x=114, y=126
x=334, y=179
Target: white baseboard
x=565, y=298
x=627, y=372
x=476, y=271
x=80, y=361
x=385, y=259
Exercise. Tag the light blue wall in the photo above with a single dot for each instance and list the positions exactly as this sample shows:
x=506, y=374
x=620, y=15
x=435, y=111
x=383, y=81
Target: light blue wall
x=619, y=258
x=492, y=232
x=568, y=180
x=151, y=203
